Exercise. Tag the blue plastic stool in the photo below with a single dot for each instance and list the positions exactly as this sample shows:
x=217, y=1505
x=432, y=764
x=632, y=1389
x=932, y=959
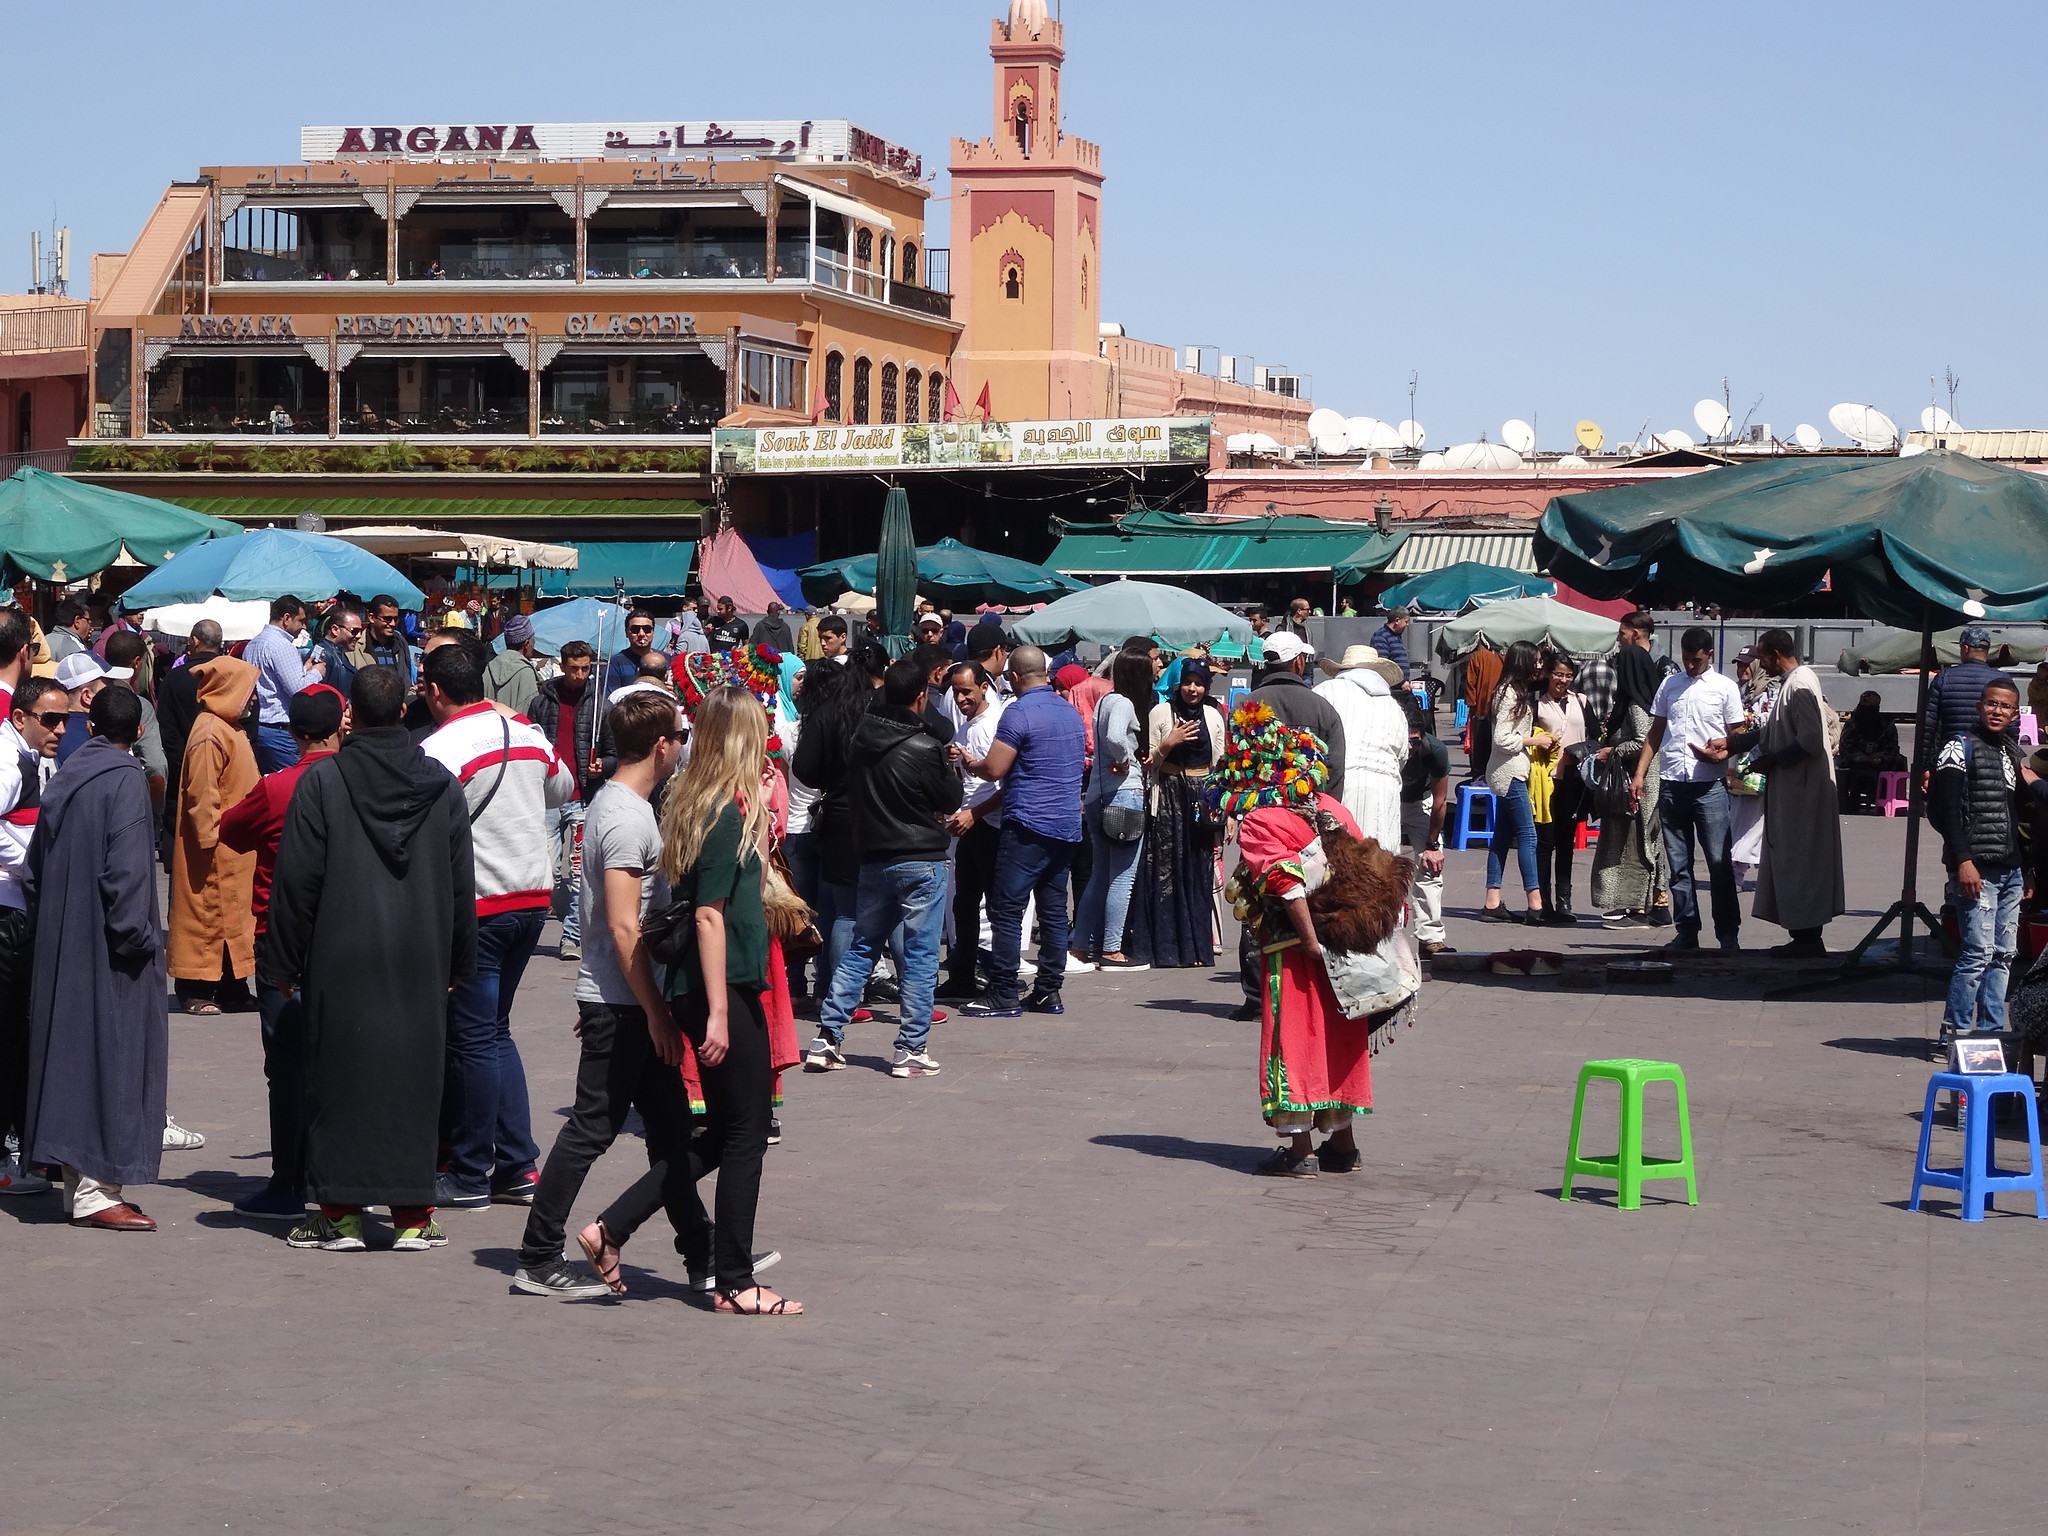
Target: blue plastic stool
x=1474, y=820
x=1979, y=1178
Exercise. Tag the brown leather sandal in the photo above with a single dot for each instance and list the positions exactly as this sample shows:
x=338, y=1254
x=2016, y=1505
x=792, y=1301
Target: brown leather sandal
x=729, y=1301
x=595, y=1252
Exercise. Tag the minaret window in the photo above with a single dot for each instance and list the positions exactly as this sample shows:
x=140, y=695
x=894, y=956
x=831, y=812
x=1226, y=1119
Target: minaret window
x=1013, y=282
x=1023, y=126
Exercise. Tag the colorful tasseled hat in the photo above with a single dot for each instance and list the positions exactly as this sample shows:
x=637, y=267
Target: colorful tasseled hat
x=1270, y=763
x=756, y=668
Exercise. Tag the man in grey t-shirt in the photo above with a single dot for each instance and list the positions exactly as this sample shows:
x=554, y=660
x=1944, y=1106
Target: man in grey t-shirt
x=631, y=1048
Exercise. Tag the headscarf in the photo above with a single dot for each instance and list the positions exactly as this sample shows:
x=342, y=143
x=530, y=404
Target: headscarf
x=1270, y=763
x=1636, y=680
x=1195, y=753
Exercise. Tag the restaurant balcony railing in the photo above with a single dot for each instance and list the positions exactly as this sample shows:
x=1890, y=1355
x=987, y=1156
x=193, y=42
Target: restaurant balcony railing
x=466, y=264
x=693, y=416
x=44, y=328
x=52, y=459
x=721, y=259
x=334, y=263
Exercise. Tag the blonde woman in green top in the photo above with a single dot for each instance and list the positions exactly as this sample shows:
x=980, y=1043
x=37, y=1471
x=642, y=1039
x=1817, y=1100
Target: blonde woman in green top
x=714, y=828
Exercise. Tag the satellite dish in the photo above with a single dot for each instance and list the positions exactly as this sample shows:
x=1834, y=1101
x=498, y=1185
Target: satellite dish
x=1807, y=436
x=1261, y=442
x=1666, y=441
x=1384, y=439
x=1411, y=434
x=1935, y=419
x=1482, y=456
x=1911, y=449
x=1330, y=444
x=1590, y=436
x=1518, y=435
x=1572, y=461
x=1360, y=431
x=1238, y=442
x=1712, y=418
x=1324, y=423
x=1430, y=461
x=1864, y=425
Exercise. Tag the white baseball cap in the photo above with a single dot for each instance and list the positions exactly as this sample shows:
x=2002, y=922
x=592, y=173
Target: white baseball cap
x=1287, y=645
x=82, y=667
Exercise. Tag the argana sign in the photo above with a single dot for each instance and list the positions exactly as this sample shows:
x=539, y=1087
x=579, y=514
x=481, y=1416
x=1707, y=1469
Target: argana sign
x=824, y=140
x=952, y=444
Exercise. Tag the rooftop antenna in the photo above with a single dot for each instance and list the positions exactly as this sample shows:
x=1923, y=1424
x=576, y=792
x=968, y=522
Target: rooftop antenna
x=1743, y=430
x=1954, y=384
x=1413, y=378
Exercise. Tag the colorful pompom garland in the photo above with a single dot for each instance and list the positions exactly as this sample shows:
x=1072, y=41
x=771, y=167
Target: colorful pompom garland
x=1270, y=763
x=756, y=668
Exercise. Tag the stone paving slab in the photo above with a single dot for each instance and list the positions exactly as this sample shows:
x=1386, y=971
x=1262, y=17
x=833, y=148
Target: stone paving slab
x=1046, y=1295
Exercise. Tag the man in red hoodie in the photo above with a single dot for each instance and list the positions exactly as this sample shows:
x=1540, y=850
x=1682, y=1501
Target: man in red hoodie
x=254, y=825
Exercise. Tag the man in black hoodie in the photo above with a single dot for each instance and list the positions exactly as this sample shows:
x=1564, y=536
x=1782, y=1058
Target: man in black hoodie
x=902, y=790
x=372, y=919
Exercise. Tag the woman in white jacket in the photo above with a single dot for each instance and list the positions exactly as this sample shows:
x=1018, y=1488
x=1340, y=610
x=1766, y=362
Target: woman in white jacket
x=1515, y=731
x=1375, y=740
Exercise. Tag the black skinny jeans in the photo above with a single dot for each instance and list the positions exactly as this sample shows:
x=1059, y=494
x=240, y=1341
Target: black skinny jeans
x=618, y=1072
x=17, y=958
x=1557, y=838
x=284, y=1071
x=738, y=1097
x=974, y=870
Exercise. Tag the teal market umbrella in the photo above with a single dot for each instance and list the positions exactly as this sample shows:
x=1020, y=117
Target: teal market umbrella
x=948, y=572
x=1110, y=614
x=65, y=530
x=1457, y=587
x=270, y=563
x=587, y=619
x=1539, y=620
x=1897, y=652
x=896, y=570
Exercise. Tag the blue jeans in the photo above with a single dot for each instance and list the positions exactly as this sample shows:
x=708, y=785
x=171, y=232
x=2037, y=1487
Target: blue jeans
x=1991, y=940
x=1028, y=864
x=275, y=748
x=1513, y=818
x=1687, y=807
x=484, y=1112
x=912, y=894
x=560, y=824
x=1106, y=902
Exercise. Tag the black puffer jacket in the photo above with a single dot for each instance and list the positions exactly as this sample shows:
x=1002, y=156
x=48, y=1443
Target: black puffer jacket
x=547, y=714
x=902, y=789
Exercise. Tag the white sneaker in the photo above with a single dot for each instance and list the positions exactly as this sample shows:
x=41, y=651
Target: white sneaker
x=17, y=1180
x=178, y=1139
x=824, y=1056
x=1076, y=966
x=913, y=1064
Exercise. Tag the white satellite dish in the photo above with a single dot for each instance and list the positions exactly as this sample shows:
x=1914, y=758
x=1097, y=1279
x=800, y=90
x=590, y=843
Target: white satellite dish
x=1864, y=425
x=1411, y=434
x=1573, y=461
x=1911, y=449
x=1330, y=444
x=1807, y=436
x=1238, y=442
x=1712, y=418
x=1518, y=435
x=1359, y=431
x=1482, y=456
x=1665, y=441
x=1384, y=439
x=1430, y=461
x=1262, y=442
x=1935, y=419
x=1323, y=423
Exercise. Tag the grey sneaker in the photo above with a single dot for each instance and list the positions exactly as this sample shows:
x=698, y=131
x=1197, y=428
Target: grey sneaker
x=824, y=1056
x=707, y=1280
x=419, y=1239
x=17, y=1180
x=913, y=1064
x=569, y=949
x=561, y=1280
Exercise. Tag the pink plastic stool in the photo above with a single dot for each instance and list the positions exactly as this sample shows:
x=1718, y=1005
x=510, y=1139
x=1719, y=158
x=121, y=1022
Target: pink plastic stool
x=1891, y=792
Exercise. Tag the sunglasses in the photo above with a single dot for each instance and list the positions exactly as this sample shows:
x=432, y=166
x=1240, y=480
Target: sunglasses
x=639, y=629
x=53, y=720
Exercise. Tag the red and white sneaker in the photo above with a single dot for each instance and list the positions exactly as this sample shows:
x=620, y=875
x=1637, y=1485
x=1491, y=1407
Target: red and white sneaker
x=17, y=1180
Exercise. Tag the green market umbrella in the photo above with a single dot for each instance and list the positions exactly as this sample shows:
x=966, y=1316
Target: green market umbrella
x=1936, y=531
x=1896, y=653
x=1541, y=620
x=1457, y=587
x=947, y=572
x=65, y=530
x=896, y=571
x=1110, y=614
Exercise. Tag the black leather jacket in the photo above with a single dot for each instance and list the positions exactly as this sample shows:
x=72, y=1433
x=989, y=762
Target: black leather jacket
x=902, y=789
x=547, y=714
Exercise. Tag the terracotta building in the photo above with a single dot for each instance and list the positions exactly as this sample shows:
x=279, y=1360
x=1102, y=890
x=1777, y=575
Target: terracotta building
x=42, y=378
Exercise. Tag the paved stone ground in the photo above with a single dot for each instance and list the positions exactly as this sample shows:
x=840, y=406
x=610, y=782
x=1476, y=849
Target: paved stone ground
x=1045, y=1295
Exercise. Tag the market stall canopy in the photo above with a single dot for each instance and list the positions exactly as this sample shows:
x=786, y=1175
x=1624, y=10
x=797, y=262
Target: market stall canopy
x=1458, y=587
x=1110, y=614
x=237, y=621
x=947, y=572
x=481, y=549
x=896, y=571
x=600, y=624
x=269, y=563
x=728, y=569
x=1511, y=551
x=1901, y=652
x=1542, y=620
x=853, y=602
x=64, y=530
x=1149, y=543
x=650, y=568
x=1938, y=529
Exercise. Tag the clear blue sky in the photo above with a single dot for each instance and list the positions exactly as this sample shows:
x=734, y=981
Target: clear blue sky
x=1548, y=210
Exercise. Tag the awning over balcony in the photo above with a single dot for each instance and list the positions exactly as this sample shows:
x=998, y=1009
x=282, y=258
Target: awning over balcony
x=1164, y=544
x=838, y=202
x=1433, y=551
x=650, y=569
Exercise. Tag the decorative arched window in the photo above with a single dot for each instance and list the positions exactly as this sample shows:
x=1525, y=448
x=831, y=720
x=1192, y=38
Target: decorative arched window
x=911, y=379
x=888, y=394
x=835, y=374
x=863, y=373
x=1013, y=282
x=935, y=393
x=909, y=261
x=1084, y=282
x=864, y=246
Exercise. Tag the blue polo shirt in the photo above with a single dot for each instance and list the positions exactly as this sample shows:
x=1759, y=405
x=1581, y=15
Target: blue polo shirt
x=1042, y=791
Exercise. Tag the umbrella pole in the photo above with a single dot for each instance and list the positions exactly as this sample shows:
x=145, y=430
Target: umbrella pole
x=1853, y=968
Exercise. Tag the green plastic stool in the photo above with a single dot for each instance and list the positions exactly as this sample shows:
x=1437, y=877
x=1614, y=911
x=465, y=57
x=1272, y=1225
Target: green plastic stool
x=1628, y=1167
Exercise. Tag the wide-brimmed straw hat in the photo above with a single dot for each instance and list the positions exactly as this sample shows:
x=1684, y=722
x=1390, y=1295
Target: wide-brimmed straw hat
x=1357, y=656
